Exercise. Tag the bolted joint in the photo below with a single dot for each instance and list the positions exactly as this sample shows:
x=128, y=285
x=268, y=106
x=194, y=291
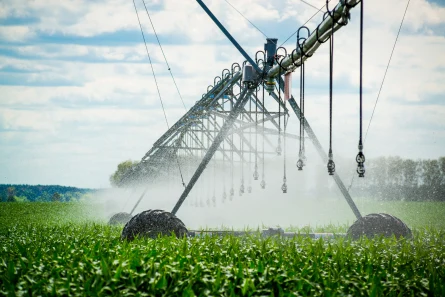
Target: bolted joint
x=269, y=85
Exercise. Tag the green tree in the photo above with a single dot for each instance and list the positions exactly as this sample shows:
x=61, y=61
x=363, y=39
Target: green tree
x=11, y=194
x=122, y=169
x=432, y=179
x=56, y=197
x=410, y=179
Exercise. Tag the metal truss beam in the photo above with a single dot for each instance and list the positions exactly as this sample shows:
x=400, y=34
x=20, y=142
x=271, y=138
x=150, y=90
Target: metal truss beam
x=216, y=143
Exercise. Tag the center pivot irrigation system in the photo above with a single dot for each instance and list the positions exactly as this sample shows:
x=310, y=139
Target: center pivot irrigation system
x=231, y=129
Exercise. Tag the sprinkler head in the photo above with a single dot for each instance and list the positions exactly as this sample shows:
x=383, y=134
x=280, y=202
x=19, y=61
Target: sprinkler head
x=361, y=170
x=300, y=164
x=331, y=167
x=232, y=192
x=249, y=189
x=255, y=174
x=241, y=189
x=284, y=188
x=360, y=164
x=360, y=158
x=278, y=150
x=224, y=196
x=263, y=184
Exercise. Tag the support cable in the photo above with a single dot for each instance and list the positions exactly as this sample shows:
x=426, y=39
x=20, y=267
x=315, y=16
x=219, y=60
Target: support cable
x=157, y=87
x=381, y=85
x=319, y=10
x=311, y=5
x=246, y=19
x=165, y=58
x=387, y=66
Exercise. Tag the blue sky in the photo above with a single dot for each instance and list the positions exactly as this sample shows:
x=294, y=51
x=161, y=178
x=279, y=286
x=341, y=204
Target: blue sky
x=77, y=95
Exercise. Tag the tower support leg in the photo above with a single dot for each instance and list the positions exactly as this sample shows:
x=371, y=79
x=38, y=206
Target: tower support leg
x=324, y=157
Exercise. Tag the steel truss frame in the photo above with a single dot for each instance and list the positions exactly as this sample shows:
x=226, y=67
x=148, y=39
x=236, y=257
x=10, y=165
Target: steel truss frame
x=183, y=136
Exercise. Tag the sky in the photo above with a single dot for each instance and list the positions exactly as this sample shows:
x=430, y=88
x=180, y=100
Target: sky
x=77, y=95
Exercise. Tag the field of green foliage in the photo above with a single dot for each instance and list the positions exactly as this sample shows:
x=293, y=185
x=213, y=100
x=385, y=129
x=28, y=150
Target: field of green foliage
x=60, y=249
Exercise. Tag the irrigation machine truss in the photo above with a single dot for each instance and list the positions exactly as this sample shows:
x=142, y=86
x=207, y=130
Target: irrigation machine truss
x=231, y=121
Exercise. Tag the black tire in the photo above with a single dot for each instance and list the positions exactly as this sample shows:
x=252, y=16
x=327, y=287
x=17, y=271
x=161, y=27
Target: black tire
x=120, y=218
x=379, y=224
x=154, y=222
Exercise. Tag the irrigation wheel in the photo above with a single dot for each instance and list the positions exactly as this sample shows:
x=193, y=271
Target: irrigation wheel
x=151, y=223
x=120, y=218
x=377, y=224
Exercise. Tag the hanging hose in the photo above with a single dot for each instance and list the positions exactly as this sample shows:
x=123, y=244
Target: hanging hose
x=284, y=186
x=249, y=187
x=255, y=173
x=304, y=118
x=279, y=117
x=277, y=58
x=202, y=183
x=224, y=197
x=263, y=182
x=208, y=145
x=331, y=164
x=214, y=164
x=360, y=156
x=301, y=152
x=232, y=191
x=241, y=144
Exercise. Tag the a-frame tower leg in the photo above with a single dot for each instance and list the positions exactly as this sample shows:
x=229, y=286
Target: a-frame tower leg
x=238, y=107
x=324, y=157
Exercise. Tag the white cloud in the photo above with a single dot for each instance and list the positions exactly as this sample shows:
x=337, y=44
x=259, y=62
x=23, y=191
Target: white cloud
x=15, y=33
x=112, y=112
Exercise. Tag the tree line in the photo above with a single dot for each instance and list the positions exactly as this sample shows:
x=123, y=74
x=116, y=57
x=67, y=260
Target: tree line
x=394, y=178
x=41, y=193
